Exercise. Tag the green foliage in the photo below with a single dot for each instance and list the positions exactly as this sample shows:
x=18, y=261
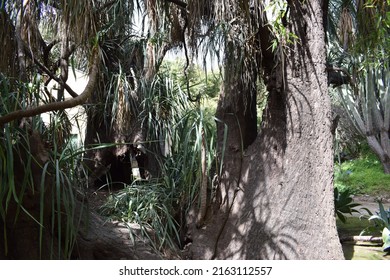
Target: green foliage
x=363, y=175
x=278, y=14
x=382, y=218
x=150, y=205
x=63, y=171
x=347, y=138
x=56, y=173
x=207, y=83
x=42, y=190
x=373, y=21
x=359, y=27
x=359, y=48
x=353, y=226
x=176, y=125
x=344, y=203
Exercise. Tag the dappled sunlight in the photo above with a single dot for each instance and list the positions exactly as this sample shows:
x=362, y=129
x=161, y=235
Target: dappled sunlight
x=77, y=81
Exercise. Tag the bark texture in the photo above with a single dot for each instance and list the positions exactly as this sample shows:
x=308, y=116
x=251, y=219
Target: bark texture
x=277, y=196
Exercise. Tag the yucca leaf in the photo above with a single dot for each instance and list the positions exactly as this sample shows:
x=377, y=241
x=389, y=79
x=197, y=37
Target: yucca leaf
x=386, y=239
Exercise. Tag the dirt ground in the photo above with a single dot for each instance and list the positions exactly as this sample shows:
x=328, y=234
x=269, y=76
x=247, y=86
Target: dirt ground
x=362, y=250
x=371, y=203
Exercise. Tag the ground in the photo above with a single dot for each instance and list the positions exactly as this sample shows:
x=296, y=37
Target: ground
x=354, y=226
x=370, y=202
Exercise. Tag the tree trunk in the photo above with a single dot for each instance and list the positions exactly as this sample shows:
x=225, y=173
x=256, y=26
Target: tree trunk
x=277, y=196
x=129, y=124
x=380, y=148
x=8, y=45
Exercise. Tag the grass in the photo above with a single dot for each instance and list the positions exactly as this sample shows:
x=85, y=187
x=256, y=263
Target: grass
x=363, y=175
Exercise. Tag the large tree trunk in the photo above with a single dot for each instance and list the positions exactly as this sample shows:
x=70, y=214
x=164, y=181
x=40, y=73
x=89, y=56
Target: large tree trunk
x=277, y=196
x=129, y=124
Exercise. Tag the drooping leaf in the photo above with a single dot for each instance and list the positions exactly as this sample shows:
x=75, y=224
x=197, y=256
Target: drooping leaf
x=386, y=239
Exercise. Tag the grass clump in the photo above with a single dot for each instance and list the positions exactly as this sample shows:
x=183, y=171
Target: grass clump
x=151, y=206
x=363, y=175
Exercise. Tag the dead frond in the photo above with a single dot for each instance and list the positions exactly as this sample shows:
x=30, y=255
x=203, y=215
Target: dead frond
x=80, y=18
x=346, y=28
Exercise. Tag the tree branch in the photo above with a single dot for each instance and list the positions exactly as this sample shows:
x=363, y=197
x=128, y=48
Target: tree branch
x=181, y=4
x=47, y=51
x=48, y=72
x=80, y=99
x=359, y=238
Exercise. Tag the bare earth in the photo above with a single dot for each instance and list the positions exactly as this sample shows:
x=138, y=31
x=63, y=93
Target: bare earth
x=370, y=203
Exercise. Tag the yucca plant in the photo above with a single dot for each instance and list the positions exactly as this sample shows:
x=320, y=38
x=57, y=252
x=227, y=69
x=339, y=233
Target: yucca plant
x=381, y=224
x=344, y=203
x=358, y=54
x=368, y=106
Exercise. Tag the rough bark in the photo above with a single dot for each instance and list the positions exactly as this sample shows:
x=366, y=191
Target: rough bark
x=277, y=196
x=8, y=45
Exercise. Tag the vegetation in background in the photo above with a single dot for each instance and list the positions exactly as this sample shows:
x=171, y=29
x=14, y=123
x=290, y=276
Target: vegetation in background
x=177, y=124
x=174, y=123
x=362, y=175
x=354, y=227
x=368, y=106
x=206, y=83
x=358, y=56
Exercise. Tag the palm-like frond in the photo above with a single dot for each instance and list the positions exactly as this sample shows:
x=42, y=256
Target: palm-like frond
x=80, y=19
x=358, y=25
x=345, y=29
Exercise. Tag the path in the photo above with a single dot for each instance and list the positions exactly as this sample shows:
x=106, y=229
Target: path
x=370, y=203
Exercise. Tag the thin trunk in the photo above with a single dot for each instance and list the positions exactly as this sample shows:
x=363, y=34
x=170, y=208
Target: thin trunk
x=379, y=150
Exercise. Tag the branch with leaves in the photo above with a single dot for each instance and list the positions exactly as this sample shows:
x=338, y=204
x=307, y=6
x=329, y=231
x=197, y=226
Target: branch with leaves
x=80, y=99
x=52, y=76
